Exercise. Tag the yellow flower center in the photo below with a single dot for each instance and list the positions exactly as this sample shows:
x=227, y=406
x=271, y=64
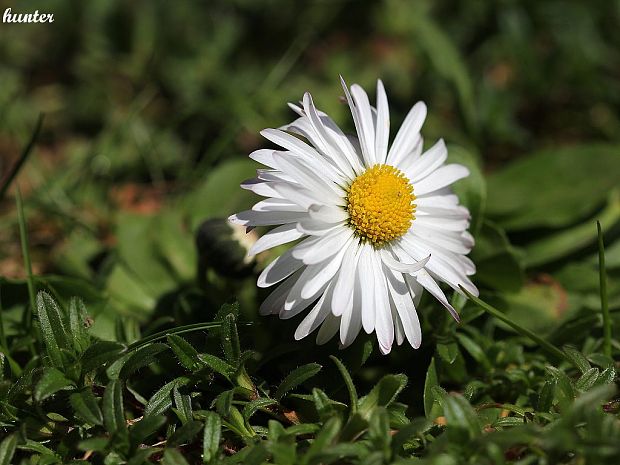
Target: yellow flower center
x=380, y=204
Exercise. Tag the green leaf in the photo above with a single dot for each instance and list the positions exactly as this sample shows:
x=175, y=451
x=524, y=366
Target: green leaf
x=230, y=339
x=86, y=407
x=141, y=430
x=113, y=412
x=50, y=383
x=185, y=433
x=460, y=416
x=218, y=365
x=38, y=448
x=252, y=407
x=572, y=196
x=415, y=428
x=7, y=449
x=323, y=439
x=578, y=359
x=348, y=381
x=588, y=379
x=383, y=394
x=211, y=437
x=607, y=376
x=161, y=400
x=187, y=355
x=564, y=391
x=556, y=246
x=173, y=457
x=138, y=359
x=474, y=349
x=183, y=405
x=101, y=353
x=223, y=402
x=77, y=325
x=448, y=352
x=430, y=383
x=379, y=430
x=296, y=377
x=322, y=403
x=52, y=327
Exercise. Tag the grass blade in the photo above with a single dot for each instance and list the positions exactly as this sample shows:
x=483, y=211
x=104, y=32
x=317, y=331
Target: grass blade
x=603, y=288
x=23, y=237
x=23, y=157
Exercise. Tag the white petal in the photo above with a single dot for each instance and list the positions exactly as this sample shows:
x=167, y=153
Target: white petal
x=384, y=326
x=408, y=135
x=441, y=201
x=321, y=246
x=349, y=149
x=447, y=224
x=314, y=227
x=291, y=143
x=403, y=302
x=449, y=240
x=431, y=286
x=440, y=178
x=326, y=247
x=448, y=267
x=260, y=187
x=327, y=144
x=412, y=156
x=329, y=328
x=315, y=317
x=456, y=212
x=275, y=301
x=274, y=175
x=277, y=236
x=432, y=159
x=327, y=213
x=366, y=145
x=326, y=271
x=342, y=300
x=299, y=150
x=297, y=194
x=390, y=262
x=269, y=218
x=383, y=124
x=264, y=157
x=367, y=136
x=351, y=319
x=279, y=269
x=399, y=331
x=273, y=205
x=322, y=188
x=367, y=279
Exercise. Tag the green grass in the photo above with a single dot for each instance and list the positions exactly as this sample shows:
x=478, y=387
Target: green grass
x=129, y=328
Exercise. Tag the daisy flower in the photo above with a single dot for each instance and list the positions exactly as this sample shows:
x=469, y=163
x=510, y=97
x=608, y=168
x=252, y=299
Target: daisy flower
x=376, y=223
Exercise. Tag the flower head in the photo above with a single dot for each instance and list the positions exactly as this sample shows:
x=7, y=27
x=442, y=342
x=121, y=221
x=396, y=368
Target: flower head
x=375, y=225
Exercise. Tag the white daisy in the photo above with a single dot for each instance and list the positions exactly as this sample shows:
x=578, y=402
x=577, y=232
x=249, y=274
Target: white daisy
x=376, y=225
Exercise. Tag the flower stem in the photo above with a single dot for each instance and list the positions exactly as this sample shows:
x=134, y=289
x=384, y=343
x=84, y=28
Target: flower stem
x=547, y=346
x=180, y=330
x=603, y=288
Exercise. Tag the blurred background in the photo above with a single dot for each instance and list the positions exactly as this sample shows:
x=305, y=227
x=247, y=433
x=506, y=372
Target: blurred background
x=151, y=108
